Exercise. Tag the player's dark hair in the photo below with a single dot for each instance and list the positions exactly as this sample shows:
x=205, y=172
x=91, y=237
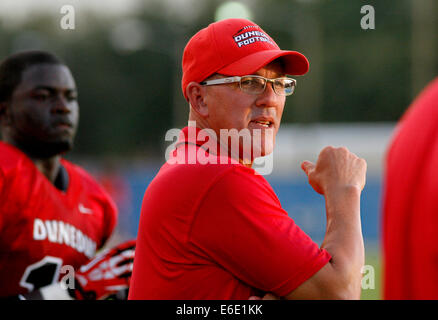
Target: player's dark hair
x=12, y=68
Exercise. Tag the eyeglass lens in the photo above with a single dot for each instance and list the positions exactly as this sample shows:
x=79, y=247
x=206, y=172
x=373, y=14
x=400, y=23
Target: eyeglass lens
x=256, y=85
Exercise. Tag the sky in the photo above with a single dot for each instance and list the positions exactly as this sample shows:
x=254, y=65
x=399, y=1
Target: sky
x=14, y=12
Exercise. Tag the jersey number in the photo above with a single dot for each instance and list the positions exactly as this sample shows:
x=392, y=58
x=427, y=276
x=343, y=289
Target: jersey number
x=41, y=273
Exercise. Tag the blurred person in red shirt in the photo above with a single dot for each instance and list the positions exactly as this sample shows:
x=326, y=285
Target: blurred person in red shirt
x=410, y=202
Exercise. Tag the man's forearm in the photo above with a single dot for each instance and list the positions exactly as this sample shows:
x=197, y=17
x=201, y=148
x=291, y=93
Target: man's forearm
x=343, y=238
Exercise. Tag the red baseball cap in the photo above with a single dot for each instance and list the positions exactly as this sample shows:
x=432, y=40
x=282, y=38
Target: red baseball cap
x=234, y=47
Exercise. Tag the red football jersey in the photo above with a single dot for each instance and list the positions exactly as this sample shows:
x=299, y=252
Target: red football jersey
x=43, y=228
x=217, y=231
x=410, y=203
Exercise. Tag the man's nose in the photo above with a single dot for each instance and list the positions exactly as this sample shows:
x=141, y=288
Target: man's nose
x=61, y=105
x=268, y=98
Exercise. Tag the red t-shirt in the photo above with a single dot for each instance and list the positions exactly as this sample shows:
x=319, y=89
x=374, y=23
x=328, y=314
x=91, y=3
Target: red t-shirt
x=410, y=203
x=217, y=231
x=43, y=228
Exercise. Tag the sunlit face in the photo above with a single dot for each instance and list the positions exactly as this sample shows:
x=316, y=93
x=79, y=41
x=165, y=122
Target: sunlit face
x=230, y=108
x=44, y=111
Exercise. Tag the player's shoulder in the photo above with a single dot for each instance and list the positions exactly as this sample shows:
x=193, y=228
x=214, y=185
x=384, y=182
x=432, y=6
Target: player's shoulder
x=84, y=179
x=11, y=159
x=90, y=188
x=77, y=170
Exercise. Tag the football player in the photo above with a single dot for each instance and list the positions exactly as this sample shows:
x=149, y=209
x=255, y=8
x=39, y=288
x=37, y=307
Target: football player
x=54, y=216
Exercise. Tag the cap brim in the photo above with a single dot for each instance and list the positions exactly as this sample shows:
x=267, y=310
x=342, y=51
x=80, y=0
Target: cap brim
x=295, y=63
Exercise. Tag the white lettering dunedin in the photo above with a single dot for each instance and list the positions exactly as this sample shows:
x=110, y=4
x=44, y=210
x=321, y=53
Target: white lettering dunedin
x=63, y=233
x=251, y=37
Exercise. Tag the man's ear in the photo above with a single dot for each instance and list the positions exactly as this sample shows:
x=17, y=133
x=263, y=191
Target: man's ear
x=196, y=96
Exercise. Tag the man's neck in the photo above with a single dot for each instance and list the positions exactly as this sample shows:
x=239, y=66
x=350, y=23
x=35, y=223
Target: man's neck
x=48, y=167
x=223, y=145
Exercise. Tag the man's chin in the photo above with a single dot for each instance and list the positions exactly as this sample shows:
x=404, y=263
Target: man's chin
x=264, y=150
x=249, y=155
x=51, y=149
x=264, y=145
x=262, y=153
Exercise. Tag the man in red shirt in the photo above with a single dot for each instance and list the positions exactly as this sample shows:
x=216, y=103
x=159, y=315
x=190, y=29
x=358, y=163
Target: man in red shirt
x=210, y=227
x=410, y=206
x=53, y=214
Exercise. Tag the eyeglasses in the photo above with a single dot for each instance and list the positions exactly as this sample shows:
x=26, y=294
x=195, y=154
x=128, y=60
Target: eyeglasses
x=253, y=84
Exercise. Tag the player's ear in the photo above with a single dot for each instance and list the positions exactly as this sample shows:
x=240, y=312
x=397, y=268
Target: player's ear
x=196, y=96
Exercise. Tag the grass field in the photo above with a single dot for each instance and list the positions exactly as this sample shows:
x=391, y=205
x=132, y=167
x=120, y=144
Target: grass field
x=372, y=258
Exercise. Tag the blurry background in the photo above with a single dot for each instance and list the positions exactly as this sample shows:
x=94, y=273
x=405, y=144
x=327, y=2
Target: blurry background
x=126, y=59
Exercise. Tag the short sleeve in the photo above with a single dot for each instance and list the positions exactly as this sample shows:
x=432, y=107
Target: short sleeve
x=241, y=226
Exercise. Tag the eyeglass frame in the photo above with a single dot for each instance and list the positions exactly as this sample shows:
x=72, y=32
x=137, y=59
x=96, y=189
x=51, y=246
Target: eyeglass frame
x=235, y=79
